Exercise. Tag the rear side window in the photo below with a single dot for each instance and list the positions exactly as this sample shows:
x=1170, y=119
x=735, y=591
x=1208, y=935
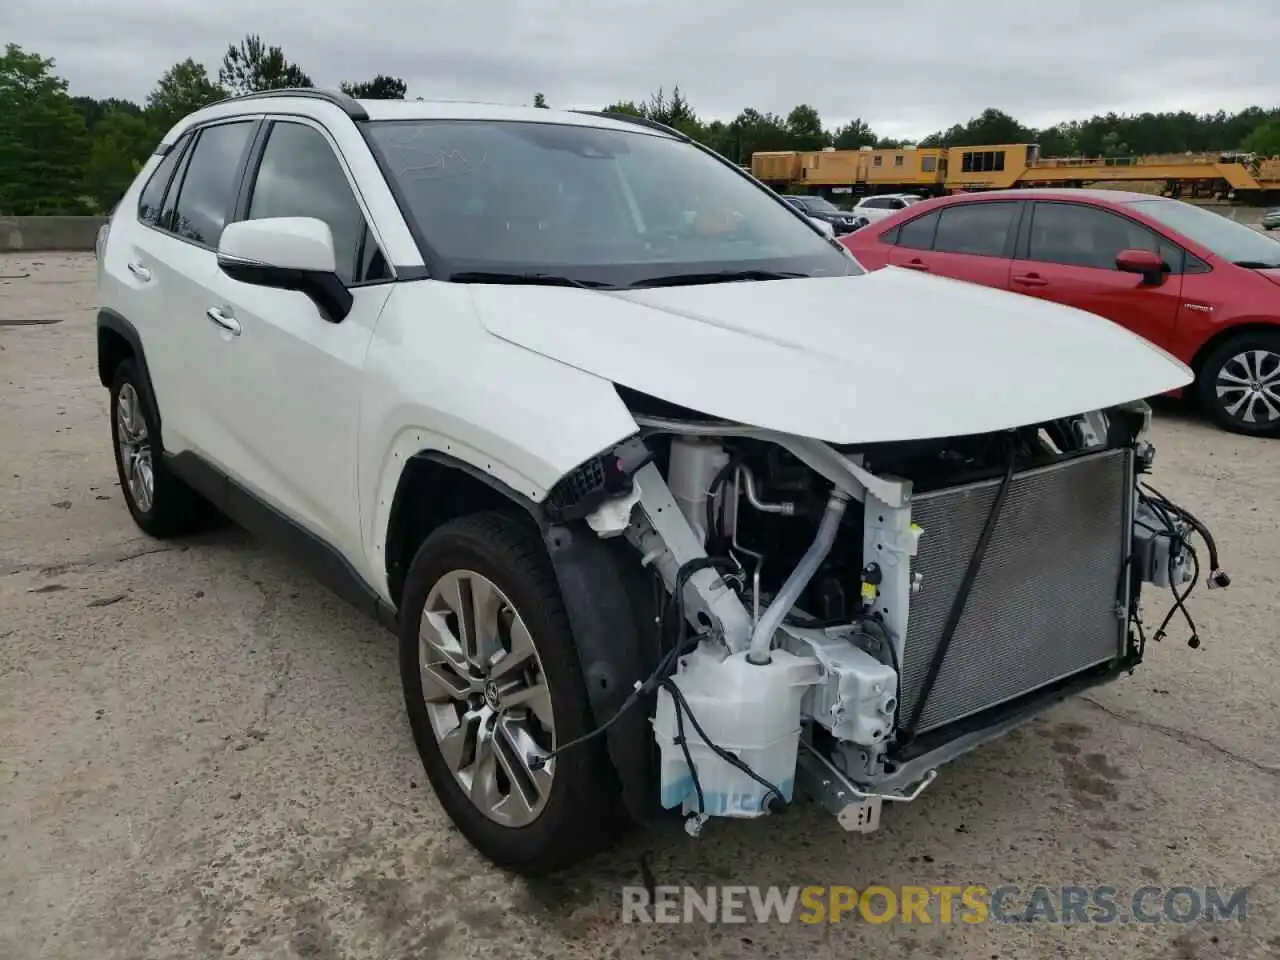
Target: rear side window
x=1080, y=236
x=976, y=229
x=208, y=189
x=918, y=234
x=152, y=198
x=301, y=176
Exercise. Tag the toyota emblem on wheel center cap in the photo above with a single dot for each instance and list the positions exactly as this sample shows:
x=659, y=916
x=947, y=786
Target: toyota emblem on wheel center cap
x=491, y=696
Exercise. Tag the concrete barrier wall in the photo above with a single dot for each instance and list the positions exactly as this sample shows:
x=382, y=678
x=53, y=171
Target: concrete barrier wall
x=48, y=233
x=79, y=233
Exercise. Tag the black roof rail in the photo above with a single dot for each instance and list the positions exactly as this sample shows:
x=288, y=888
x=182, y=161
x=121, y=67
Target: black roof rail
x=346, y=104
x=632, y=118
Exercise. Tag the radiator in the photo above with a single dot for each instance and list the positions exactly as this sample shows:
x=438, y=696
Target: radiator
x=1043, y=606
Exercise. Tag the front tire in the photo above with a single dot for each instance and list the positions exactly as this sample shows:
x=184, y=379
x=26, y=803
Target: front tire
x=161, y=504
x=1239, y=384
x=491, y=677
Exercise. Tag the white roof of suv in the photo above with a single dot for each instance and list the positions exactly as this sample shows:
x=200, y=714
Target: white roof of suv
x=323, y=103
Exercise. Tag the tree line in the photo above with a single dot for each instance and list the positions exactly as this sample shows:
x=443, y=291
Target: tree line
x=1252, y=130
x=64, y=154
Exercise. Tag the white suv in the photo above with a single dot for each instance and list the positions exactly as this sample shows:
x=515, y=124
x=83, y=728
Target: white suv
x=883, y=205
x=671, y=504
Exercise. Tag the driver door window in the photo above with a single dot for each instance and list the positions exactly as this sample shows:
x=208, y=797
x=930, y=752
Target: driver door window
x=300, y=176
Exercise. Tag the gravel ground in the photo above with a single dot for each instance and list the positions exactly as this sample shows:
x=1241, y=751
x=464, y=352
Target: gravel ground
x=203, y=754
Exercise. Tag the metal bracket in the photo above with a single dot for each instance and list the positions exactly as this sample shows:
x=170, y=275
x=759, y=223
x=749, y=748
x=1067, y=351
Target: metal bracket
x=666, y=540
x=857, y=811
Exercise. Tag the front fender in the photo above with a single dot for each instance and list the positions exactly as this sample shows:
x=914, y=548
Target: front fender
x=437, y=381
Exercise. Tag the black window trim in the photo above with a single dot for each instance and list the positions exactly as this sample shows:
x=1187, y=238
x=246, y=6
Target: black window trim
x=249, y=176
x=181, y=145
x=1189, y=259
x=179, y=176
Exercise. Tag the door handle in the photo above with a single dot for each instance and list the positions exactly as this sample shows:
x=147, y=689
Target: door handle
x=916, y=264
x=139, y=271
x=224, y=320
x=1030, y=280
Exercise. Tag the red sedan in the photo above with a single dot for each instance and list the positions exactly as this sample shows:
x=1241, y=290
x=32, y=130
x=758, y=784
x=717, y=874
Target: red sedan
x=1197, y=284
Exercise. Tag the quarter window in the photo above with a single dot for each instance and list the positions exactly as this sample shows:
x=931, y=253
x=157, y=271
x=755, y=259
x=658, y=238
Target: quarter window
x=300, y=176
x=1077, y=235
x=977, y=229
x=209, y=184
x=152, y=199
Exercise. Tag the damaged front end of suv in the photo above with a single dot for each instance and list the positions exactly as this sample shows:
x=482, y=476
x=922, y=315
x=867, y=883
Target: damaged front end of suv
x=760, y=613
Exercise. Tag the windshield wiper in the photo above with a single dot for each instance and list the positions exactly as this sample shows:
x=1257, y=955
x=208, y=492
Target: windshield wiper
x=530, y=279
x=720, y=276
x=1255, y=264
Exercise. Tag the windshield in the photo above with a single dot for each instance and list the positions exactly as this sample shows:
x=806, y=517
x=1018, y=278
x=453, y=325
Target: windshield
x=594, y=206
x=1225, y=238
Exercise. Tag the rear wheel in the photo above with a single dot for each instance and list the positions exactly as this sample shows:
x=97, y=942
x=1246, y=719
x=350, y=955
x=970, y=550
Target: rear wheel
x=1239, y=384
x=491, y=680
x=160, y=503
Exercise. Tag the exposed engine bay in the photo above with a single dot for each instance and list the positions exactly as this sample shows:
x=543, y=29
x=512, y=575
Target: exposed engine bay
x=851, y=618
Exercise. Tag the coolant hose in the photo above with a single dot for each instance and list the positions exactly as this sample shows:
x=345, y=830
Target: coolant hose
x=762, y=637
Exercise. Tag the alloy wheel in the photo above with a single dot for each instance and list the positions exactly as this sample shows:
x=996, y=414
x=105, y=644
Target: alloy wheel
x=1248, y=387
x=135, y=448
x=487, y=697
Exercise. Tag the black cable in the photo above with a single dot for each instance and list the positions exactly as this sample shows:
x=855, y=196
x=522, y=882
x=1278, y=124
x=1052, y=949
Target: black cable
x=1162, y=508
x=1216, y=574
x=1179, y=603
x=961, y=597
x=660, y=677
x=677, y=696
x=683, y=741
x=660, y=672
x=1142, y=634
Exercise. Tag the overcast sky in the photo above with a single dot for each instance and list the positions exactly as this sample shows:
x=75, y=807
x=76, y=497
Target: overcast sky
x=906, y=67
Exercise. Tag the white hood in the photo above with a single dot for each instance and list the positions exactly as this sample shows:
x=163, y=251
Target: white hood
x=890, y=355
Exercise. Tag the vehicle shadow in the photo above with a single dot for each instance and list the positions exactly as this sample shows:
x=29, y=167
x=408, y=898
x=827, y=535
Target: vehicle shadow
x=1176, y=410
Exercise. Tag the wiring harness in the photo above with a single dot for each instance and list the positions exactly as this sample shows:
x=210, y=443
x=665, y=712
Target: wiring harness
x=661, y=678
x=1167, y=514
